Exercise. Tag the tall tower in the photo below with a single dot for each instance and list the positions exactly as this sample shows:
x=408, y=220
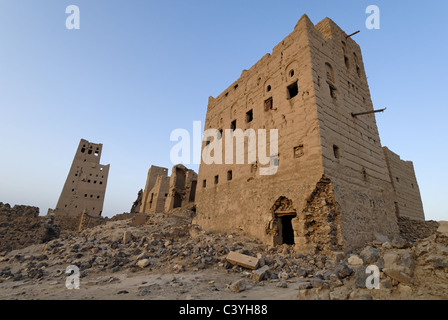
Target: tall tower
x=332, y=188
x=86, y=182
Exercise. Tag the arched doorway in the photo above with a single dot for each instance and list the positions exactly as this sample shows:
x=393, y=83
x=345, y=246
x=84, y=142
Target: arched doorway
x=283, y=213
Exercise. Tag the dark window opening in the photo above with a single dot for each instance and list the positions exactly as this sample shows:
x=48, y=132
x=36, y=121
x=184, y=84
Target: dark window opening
x=412, y=185
x=268, y=88
x=233, y=125
x=88, y=181
x=97, y=197
x=336, y=151
x=94, y=181
x=249, y=115
x=291, y=73
x=216, y=179
x=364, y=174
x=91, y=196
x=229, y=175
x=166, y=195
x=204, y=183
x=193, y=191
x=85, y=196
x=332, y=91
x=268, y=104
x=90, y=151
x=73, y=190
x=347, y=64
x=398, y=180
x=177, y=200
x=83, y=150
x=96, y=153
x=101, y=182
x=293, y=90
x=358, y=71
x=235, y=86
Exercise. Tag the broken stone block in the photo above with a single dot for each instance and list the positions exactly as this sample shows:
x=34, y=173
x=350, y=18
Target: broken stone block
x=238, y=286
x=397, y=275
x=370, y=255
x=390, y=259
x=143, y=263
x=355, y=260
x=260, y=274
x=242, y=260
x=127, y=237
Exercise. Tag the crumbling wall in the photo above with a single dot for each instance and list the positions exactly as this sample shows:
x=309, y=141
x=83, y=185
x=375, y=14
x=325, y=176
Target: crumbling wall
x=318, y=225
x=408, y=202
x=87, y=221
x=182, y=188
x=412, y=230
x=137, y=203
x=21, y=226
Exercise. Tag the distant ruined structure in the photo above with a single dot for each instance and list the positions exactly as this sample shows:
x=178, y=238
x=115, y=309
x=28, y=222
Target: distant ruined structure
x=163, y=193
x=336, y=186
x=81, y=200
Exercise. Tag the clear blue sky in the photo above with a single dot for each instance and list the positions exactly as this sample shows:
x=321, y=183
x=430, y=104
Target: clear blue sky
x=138, y=69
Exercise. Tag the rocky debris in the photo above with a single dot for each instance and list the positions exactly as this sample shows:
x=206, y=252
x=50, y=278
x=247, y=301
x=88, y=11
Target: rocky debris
x=170, y=244
x=412, y=230
x=21, y=226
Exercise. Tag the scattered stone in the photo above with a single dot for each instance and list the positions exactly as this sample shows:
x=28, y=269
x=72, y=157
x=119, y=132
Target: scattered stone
x=238, y=286
x=143, y=263
x=260, y=274
x=243, y=260
x=355, y=260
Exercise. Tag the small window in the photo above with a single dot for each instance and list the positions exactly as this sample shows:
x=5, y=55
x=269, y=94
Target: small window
x=233, y=125
x=96, y=153
x=253, y=167
x=204, y=183
x=396, y=178
x=101, y=182
x=90, y=151
x=249, y=115
x=91, y=196
x=83, y=150
x=73, y=190
x=291, y=73
x=97, y=197
x=268, y=88
x=88, y=181
x=333, y=91
x=298, y=151
x=412, y=185
x=229, y=175
x=216, y=179
x=346, y=61
x=268, y=104
x=235, y=86
x=293, y=90
x=358, y=71
x=85, y=195
x=94, y=181
x=336, y=152
x=166, y=195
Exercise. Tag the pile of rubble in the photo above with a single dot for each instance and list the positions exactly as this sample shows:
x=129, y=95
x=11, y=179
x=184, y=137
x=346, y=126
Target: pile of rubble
x=170, y=244
x=21, y=226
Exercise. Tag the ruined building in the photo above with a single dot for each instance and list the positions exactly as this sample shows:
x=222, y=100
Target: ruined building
x=84, y=189
x=163, y=193
x=335, y=185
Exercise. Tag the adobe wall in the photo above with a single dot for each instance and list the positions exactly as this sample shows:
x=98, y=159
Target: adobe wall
x=245, y=203
x=404, y=181
x=182, y=188
x=351, y=148
x=151, y=194
x=85, y=186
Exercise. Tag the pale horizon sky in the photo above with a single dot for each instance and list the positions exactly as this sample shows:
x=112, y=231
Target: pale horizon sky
x=136, y=70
